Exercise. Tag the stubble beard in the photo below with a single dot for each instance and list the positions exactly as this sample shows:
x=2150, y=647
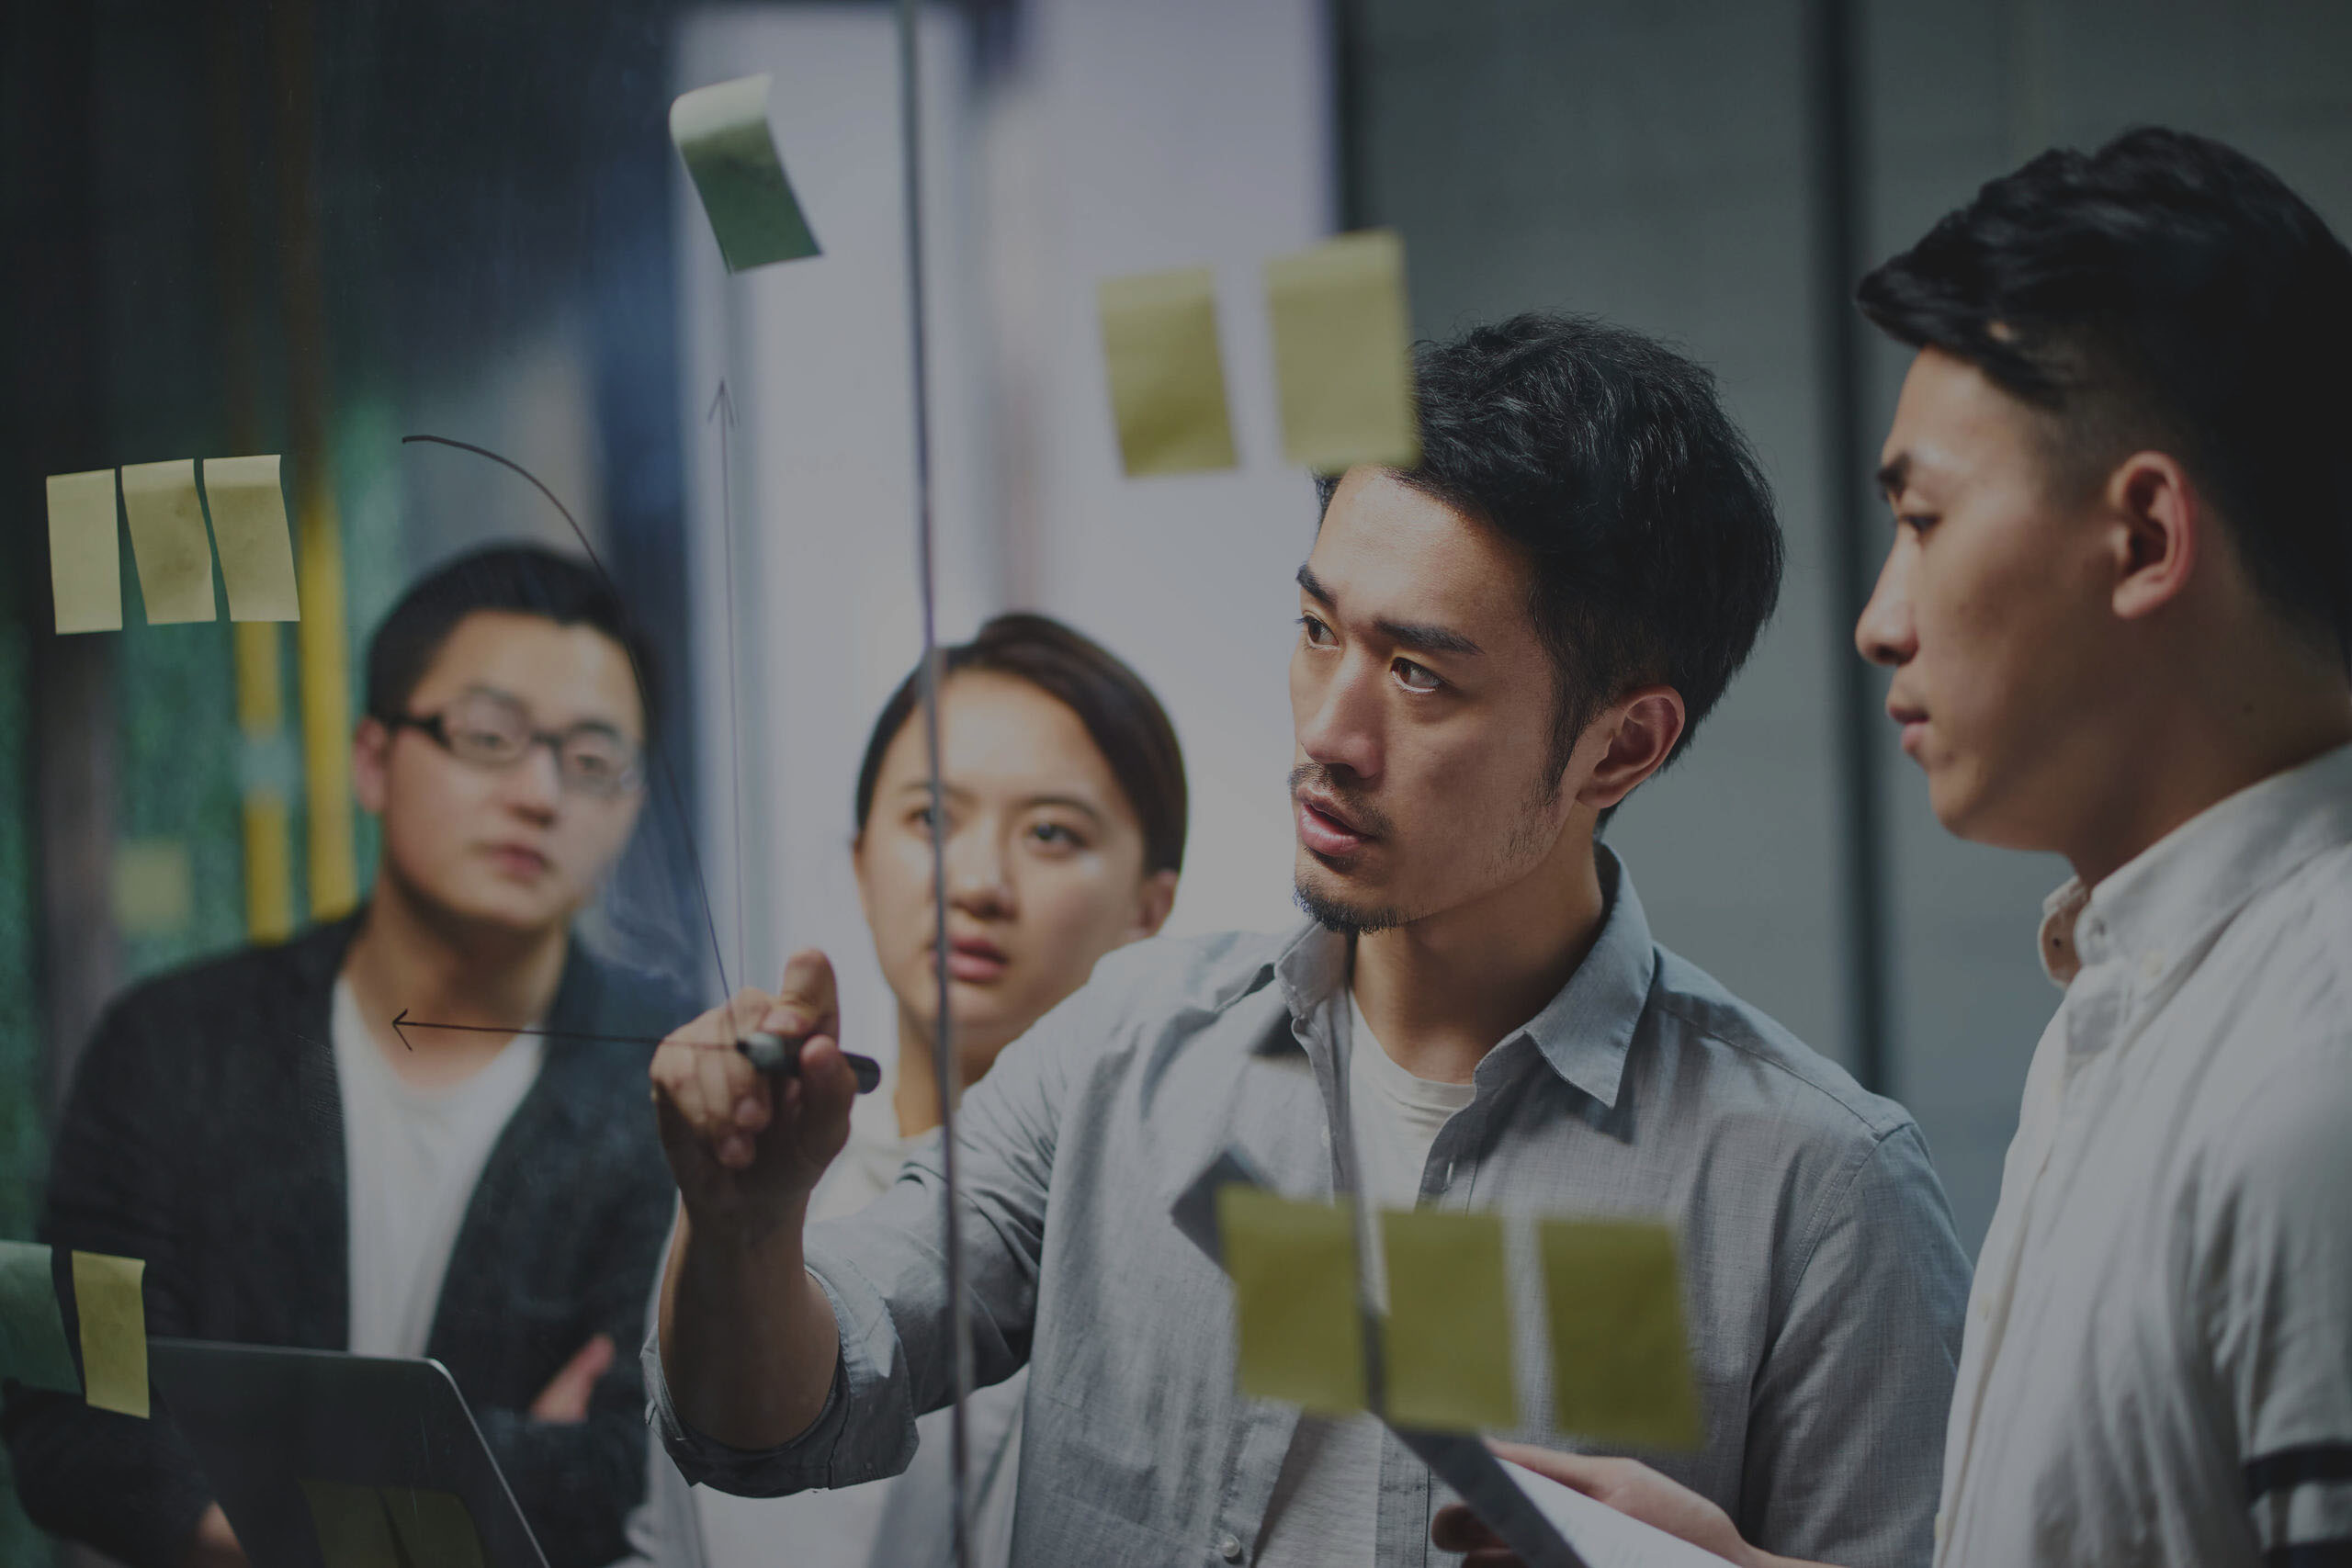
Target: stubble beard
x=1529, y=840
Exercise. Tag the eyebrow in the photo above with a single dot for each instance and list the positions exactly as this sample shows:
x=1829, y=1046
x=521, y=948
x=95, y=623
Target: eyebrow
x=1894, y=475
x=1423, y=637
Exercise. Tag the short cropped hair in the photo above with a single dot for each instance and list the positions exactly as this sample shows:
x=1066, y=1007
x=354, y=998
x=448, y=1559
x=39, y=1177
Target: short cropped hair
x=1608, y=459
x=2164, y=291
x=1121, y=717
x=523, y=580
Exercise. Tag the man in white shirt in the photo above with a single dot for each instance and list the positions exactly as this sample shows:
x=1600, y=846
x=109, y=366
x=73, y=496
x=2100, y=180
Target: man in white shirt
x=2117, y=608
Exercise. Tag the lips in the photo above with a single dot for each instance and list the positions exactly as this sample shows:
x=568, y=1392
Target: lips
x=1325, y=828
x=975, y=959
x=1914, y=721
x=518, y=861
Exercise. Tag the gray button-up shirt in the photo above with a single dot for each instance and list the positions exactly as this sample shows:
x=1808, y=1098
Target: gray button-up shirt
x=1825, y=1284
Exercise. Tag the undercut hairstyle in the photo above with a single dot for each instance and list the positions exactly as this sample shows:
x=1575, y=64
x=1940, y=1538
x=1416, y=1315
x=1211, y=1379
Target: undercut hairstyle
x=1608, y=459
x=2166, y=293
x=1122, y=718
x=521, y=579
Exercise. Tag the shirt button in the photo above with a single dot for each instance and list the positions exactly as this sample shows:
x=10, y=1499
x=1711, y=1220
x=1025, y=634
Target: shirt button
x=1229, y=1548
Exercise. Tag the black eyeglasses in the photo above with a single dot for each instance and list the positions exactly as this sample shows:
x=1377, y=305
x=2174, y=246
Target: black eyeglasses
x=487, y=729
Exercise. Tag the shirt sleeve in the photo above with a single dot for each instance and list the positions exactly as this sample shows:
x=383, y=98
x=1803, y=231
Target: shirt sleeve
x=884, y=1271
x=2279, y=1309
x=1846, y=1422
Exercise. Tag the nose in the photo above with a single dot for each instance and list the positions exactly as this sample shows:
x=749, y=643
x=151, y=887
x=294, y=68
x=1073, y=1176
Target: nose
x=978, y=883
x=535, y=785
x=1335, y=712
x=1886, y=633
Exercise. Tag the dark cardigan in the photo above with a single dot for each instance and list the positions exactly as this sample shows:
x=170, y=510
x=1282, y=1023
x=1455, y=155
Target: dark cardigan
x=205, y=1135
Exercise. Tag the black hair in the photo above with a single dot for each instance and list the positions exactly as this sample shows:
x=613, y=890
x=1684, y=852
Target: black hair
x=518, y=578
x=2168, y=291
x=1122, y=718
x=1609, y=459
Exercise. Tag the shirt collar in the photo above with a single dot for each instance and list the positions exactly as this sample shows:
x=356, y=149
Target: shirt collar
x=1585, y=1030
x=2155, y=907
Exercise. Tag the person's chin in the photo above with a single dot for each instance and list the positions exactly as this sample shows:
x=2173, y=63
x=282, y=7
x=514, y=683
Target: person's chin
x=516, y=909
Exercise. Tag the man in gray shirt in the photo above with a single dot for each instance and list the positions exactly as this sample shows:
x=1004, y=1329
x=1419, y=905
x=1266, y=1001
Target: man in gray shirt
x=1495, y=648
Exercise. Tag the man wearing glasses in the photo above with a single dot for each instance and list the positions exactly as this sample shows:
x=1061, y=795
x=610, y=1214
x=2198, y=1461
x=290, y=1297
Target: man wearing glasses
x=295, y=1170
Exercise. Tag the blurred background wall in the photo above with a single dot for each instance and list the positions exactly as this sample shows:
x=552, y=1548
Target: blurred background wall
x=317, y=226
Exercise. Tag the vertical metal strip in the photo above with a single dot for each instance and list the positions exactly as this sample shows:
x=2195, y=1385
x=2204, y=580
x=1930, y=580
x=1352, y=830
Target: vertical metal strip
x=1838, y=229
x=943, y=1035
x=322, y=650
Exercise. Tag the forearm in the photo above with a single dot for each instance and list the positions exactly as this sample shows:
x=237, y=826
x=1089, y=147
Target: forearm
x=749, y=1343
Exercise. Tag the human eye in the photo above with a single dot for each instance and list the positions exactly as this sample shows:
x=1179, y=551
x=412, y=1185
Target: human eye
x=1415, y=677
x=1317, y=634
x=1059, y=837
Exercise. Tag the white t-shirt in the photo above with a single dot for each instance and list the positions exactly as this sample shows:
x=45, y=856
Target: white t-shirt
x=1323, y=1511
x=412, y=1157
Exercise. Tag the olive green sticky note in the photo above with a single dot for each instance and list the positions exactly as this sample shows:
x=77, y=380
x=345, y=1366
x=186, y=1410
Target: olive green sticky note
x=249, y=530
x=722, y=133
x=84, y=552
x=1297, y=1305
x=354, y=1530
x=1448, y=1342
x=1621, y=1361
x=114, y=1331
x=169, y=541
x=1343, y=353
x=154, y=887
x=434, y=1528
x=32, y=1331
x=1167, y=379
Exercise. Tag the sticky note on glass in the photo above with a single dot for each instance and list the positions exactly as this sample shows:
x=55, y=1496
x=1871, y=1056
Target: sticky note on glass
x=722, y=133
x=1343, y=353
x=1167, y=379
x=154, y=887
x=249, y=529
x=1621, y=1361
x=169, y=541
x=85, y=553
x=1448, y=1343
x=1297, y=1306
x=114, y=1331
x=32, y=1331
x=354, y=1530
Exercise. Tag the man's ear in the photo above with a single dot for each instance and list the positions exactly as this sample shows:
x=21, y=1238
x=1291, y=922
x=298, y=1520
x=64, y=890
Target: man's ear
x=371, y=763
x=1154, y=900
x=1637, y=733
x=2158, y=521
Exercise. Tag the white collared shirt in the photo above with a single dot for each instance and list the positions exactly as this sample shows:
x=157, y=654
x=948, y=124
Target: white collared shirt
x=2158, y=1361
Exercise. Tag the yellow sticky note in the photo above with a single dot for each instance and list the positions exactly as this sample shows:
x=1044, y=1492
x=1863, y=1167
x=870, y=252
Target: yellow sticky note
x=114, y=1331
x=1621, y=1361
x=169, y=541
x=1448, y=1342
x=84, y=552
x=1297, y=1306
x=32, y=1331
x=354, y=1530
x=1343, y=353
x=249, y=529
x=722, y=133
x=434, y=1526
x=154, y=887
x=1167, y=380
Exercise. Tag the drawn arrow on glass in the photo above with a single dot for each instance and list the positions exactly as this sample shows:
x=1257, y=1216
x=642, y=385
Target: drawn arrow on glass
x=768, y=1053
